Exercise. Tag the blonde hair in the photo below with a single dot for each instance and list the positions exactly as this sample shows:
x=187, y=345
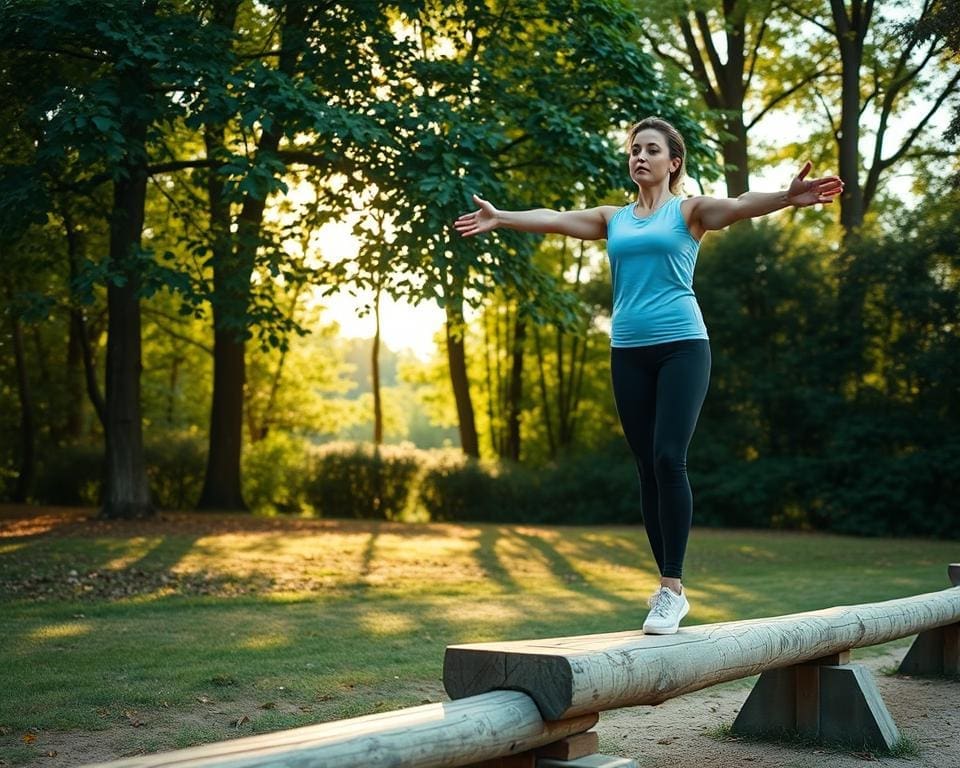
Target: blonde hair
x=675, y=144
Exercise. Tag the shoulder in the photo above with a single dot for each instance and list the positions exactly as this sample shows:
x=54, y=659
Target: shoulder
x=607, y=212
x=690, y=205
x=692, y=208
x=611, y=213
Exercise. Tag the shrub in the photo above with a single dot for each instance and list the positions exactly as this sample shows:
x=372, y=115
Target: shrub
x=276, y=474
x=359, y=480
x=70, y=475
x=176, y=464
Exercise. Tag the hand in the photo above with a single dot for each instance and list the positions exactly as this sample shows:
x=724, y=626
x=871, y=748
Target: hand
x=482, y=220
x=802, y=192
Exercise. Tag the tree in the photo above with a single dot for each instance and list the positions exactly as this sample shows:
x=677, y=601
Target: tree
x=743, y=78
x=525, y=107
x=901, y=72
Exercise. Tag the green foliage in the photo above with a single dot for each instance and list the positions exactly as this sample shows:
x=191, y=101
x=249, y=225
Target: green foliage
x=593, y=488
x=456, y=487
x=175, y=468
x=71, y=474
x=363, y=481
x=276, y=474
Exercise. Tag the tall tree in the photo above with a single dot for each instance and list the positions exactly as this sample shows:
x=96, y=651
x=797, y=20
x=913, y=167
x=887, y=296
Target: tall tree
x=902, y=70
x=733, y=53
x=516, y=103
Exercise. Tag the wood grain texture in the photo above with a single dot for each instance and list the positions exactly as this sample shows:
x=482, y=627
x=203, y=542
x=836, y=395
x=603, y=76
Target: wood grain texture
x=456, y=733
x=568, y=676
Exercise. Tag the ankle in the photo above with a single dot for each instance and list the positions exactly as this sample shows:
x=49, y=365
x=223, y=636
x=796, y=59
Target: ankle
x=673, y=585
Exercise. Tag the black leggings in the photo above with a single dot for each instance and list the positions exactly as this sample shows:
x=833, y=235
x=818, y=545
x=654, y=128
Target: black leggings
x=659, y=391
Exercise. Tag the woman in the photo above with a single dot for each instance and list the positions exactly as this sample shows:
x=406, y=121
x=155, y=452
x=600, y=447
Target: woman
x=660, y=353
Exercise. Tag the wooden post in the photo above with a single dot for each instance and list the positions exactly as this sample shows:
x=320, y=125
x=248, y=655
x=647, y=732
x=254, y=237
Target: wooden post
x=936, y=652
x=826, y=699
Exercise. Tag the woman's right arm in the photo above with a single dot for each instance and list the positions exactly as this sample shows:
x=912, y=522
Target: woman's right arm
x=587, y=224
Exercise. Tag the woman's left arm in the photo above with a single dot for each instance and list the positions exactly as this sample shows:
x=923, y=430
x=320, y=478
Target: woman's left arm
x=707, y=213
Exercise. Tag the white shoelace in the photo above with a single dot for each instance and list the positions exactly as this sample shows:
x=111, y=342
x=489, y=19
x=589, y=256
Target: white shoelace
x=661, y=604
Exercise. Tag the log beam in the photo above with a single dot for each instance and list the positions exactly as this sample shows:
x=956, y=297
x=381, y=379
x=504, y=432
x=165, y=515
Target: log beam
x=592, y=673
x=471, y=730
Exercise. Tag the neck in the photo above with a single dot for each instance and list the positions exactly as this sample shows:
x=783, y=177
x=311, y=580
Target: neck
x=651, y=199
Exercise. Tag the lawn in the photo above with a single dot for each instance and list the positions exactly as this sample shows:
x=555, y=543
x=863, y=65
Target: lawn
x=153, y=635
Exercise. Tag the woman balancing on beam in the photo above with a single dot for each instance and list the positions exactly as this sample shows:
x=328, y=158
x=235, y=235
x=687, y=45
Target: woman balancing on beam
x=660, y=353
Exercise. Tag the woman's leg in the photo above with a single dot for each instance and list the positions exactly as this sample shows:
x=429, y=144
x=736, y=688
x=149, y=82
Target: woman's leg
x=635, y=392
x=682, y=383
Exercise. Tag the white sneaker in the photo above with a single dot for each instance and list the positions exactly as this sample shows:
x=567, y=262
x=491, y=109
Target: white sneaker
x=666, y=610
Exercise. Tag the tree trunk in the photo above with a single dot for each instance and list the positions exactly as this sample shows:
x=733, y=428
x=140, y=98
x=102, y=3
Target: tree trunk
x=850, y=33
x=79, y=351
x=515, y=391
x=544, y=397
x=221, y=484
x=126, y=492
x=233, y=269
x=851, y=291
x=25, y=476
x=73, y=414
x=375, y=373
x=736, y=162
x=90, y=370
x=457, y=361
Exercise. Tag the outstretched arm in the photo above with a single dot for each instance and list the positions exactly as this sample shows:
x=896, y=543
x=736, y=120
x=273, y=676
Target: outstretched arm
x=588, y=224
x=707, y=213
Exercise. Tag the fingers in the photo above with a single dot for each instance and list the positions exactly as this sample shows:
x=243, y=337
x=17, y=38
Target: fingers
x=467, y=225
x=805, y=170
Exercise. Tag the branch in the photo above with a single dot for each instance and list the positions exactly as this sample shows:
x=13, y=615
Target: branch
x=696, y=59
x=65, y=52
x=712, y=54
x=911, y=137
x=669, y=57
x=881, y=164
x=755, y=54
x=812, y=19
x=172, y=333
x=181, y=165
x=786, y=94
x=826, y=108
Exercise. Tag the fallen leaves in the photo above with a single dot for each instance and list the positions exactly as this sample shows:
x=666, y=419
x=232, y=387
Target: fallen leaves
x=239, y=721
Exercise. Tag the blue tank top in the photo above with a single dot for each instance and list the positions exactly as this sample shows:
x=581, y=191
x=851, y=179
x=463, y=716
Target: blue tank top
x=651, y=263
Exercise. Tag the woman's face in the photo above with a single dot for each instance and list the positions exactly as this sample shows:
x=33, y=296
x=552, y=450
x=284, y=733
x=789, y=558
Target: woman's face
x=650, y=162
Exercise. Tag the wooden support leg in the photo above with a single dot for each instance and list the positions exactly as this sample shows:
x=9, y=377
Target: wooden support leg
x=827, y=699
x=572, y=748
x=851, y=710
x=934, y=652
x=591, y=761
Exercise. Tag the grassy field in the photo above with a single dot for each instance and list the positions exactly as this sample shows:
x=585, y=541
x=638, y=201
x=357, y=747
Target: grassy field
x=194, y=628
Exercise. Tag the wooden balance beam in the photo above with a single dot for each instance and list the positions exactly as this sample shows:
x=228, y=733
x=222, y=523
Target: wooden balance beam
x=560, y=686
x=819, y=694
x=472, y=730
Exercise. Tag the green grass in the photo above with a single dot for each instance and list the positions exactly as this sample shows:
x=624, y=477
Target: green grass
x=179, y=627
